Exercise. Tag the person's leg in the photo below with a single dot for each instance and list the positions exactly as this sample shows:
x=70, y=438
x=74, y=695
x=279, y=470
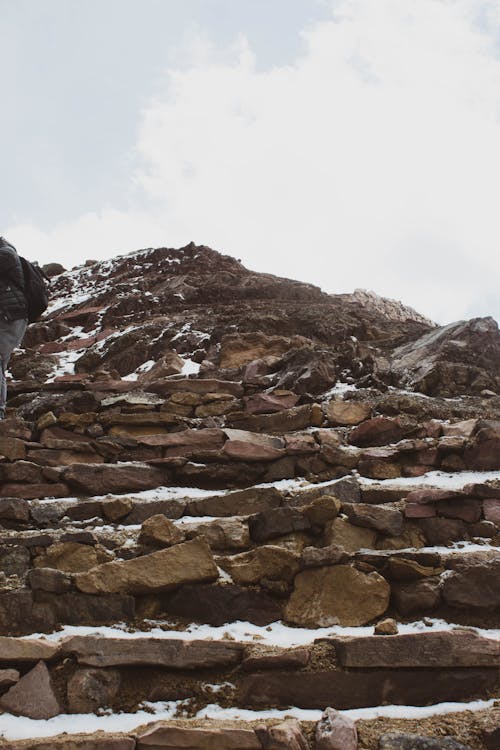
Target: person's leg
x=11, y=335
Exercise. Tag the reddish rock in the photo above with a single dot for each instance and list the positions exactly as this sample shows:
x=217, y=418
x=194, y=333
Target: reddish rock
x=285, y=736
x=430, y=495
x=418, y=510
x=205, y=385
x=285, y=659
x=463, y=508
x=34, y=491
x=270, y=403
x=441, y=649
x=12, y=448
x=101, y=479
x=96, y=651
x=484, y=454
x=170, y=737
x=33, y=696
x=8, y=677
x=376, y=431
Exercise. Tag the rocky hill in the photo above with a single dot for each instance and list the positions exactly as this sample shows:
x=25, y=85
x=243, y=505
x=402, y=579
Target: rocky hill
x=238, y=512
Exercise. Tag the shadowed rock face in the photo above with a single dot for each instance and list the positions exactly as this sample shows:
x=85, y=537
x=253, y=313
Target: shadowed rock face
x=154, y=305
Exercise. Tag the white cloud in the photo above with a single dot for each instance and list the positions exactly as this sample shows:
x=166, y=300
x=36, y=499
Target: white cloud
x=371, y=161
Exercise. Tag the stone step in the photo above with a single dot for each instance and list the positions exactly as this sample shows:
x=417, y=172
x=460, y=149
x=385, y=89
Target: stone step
x=81, y=674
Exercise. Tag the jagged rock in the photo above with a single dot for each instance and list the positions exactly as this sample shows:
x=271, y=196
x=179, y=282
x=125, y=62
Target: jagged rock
x=188, y=562
x=117, y=508
x=334, y=731
x=160, y=531
x=385, y=520
x=315, y=557
x=14, y=509
x=33, y=696
x=267, y=561
x=270, y=403
x=172, y=737
x=337, y=595
x=484, y=453
x=90, y=689
x=403, y=569
x=221, y=534
x=285, y=736
x=396, y=741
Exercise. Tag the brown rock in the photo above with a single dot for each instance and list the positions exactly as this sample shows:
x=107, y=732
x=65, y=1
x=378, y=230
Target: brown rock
x=245, y=451
x=202, y=386
x=403, y=569
x=377, y=431
x=464, y=429
x=491, y=509
x=49, y=579
x=101, y=479
x=8, y=677
x=323, y=509
x=334, y=731
x=116, y=508
x=33, y=696
x=172, y=738
x=316, y=557
x=16, y=650
x=385, y=520
x=296, y=658
x=285, y=736
x=276, y=522
x=72, y=557
x=216, y=604
x=160, y=531
x=465, y=509
x=347, y=413
x=270, y=403
x=474, y=585
x=337, y=595
x=288, y=420
x=268, y=561
x=456, y=648
x=242, y=348
x=96, y=651
x=90, y=689
x=189, y=562
x=343, y=534
x=14, y=509
x=421, y=596
x=221, y=534
x=388, y=626
x=243, y=502
x=34, y=491
x=12, y=448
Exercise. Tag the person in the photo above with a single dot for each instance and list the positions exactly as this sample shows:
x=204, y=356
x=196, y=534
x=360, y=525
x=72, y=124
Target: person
x=13, y=311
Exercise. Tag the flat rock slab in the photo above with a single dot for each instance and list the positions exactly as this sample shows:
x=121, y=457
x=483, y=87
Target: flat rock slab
x=97, y=742
x=441, y=649
x=190, y=562
x=173, y=738
x=363, y=688
x=162, y=652
x=33, y=696
x=13, y=650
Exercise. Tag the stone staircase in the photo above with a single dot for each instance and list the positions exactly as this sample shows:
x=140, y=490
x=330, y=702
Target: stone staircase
x=216, y=562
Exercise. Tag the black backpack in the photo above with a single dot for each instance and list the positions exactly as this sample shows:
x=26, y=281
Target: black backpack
x=35, y=289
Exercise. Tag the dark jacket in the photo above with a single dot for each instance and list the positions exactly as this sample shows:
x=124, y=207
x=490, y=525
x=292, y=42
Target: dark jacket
x=12, y=299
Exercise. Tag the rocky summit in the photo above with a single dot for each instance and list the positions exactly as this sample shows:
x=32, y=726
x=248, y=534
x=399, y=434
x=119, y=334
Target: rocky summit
x=239, y=512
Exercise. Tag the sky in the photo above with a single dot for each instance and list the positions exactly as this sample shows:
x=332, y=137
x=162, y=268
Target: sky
x=345, y=143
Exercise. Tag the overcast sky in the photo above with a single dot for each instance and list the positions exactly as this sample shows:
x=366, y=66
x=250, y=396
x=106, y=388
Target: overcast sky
x=348, y=143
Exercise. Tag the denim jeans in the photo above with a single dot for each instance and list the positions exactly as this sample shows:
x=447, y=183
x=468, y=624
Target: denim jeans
x=11, y=335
